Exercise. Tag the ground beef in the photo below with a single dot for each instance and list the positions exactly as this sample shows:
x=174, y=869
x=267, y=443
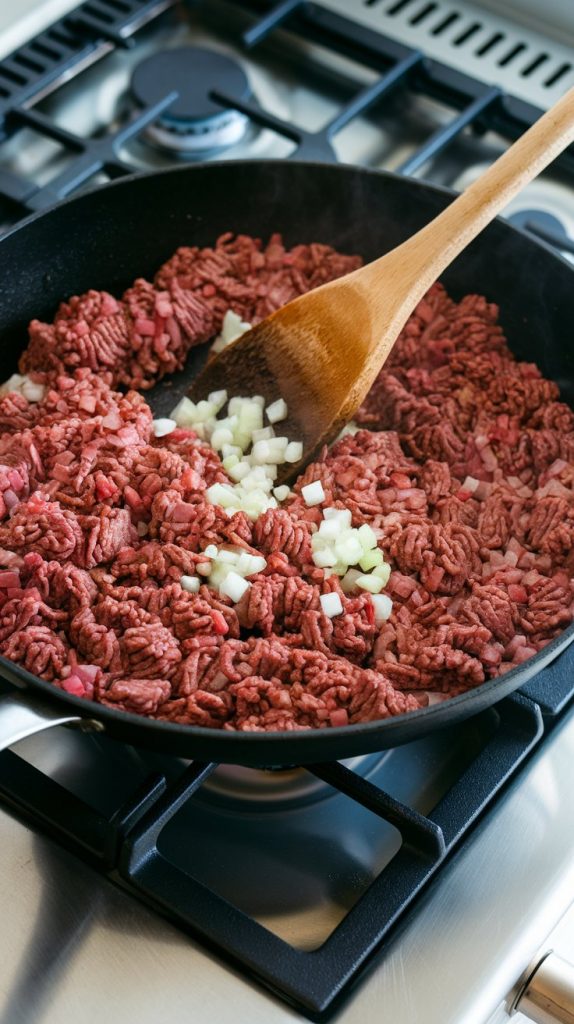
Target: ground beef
x=99, y=520
x=148, y=333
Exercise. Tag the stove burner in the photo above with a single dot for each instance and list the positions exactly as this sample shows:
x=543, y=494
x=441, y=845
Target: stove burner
x=193, y=124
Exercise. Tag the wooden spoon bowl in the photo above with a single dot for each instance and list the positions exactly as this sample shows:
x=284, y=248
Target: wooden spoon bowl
x=323, y=351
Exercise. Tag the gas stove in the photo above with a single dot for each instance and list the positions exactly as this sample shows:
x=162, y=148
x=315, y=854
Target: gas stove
x=417, y=885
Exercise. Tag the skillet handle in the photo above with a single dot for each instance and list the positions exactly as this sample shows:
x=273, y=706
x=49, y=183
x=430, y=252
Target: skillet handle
x=23, y=714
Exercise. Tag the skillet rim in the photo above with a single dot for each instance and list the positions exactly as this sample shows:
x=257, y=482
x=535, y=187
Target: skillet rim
x=437, y=715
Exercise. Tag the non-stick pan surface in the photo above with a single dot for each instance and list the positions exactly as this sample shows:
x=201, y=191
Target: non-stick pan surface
x=105, y=239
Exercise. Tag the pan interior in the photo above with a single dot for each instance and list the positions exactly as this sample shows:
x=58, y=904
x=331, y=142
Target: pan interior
x=108, y=238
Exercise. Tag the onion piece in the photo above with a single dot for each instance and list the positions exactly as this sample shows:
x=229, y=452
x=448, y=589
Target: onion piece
x=282, y=493
x=383, y=607
x=234, y=586
x=313, y=493
x=190, y=583
x=277, y=411
x=331, y=604
x=294, y=451
x=371, y=583
x=470, y=483
x=342, y=515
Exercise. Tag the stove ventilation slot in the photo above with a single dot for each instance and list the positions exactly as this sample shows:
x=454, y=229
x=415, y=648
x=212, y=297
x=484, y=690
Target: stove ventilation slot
x=466, y=36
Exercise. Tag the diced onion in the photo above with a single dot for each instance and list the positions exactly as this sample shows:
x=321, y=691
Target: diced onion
x=218, y=399
x=282, y=492
x=331, y=604
x=190, y=583
x=372, y=583
x=371, y=559
x=367, y=538
x=204, y=411
x=234, y=586
x=470, y=483
x=183, y=413
x=313, y=493
x=383, y=572
x=33, y=392
x=261, y=452
x=225, y=556
x=325, y=558
x=294, y=452
x=277, y=411
x=23, y=385
x=342, y=515
x=231, y=329
x=220, y=494
x=349, y=548
x=221, y=436
x=383, y=607
x=231, y=449
x=330, y=529
x=263, y=434
x=239, y=471
x=349, y=581
x=162, y=427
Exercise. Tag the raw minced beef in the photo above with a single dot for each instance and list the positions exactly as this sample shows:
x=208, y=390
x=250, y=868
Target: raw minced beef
x=148, y=333
x=99, y=520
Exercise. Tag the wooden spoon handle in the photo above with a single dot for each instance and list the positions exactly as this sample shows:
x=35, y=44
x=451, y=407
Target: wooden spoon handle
x=427, y=253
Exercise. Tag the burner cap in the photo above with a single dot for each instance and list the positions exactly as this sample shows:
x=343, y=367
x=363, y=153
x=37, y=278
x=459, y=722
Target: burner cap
x=194, y=123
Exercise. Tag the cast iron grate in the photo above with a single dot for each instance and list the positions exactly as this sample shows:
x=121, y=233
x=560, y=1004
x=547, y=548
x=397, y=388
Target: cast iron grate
x=125, y=846
x=95, y=28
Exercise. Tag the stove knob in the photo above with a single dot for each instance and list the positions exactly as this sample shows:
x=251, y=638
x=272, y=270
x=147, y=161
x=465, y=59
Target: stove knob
x=547, y=997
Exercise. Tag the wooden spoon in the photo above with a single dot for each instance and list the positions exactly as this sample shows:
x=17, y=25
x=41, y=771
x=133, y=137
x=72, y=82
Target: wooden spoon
x=322, y=351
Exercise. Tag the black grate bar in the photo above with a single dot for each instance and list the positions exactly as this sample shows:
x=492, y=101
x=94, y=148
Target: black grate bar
x=317, y=145
x=551, y=688
x=40, y=123
x=270, y=21
x=259, y=116
x=15, y=188
x=315, y=982
x=521, y=727
x=68, y=43
x=75, y=824
x=364, y=99
x=417, y=831
x=509, y=116
x=126, y=817
x=349, y=38
x=93, y=154
x=144, y=836
x=309, y=145
x=443, y=136
x=30, y=791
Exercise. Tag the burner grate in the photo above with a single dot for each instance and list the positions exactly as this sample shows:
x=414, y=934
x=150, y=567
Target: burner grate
x=125, y=846
x=99, y=26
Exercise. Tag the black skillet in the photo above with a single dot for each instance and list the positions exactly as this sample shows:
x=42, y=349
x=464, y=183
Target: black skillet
x=106, y=238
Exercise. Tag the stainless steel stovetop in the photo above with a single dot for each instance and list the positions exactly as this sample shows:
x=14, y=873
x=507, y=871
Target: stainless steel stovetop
x=74, y=946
